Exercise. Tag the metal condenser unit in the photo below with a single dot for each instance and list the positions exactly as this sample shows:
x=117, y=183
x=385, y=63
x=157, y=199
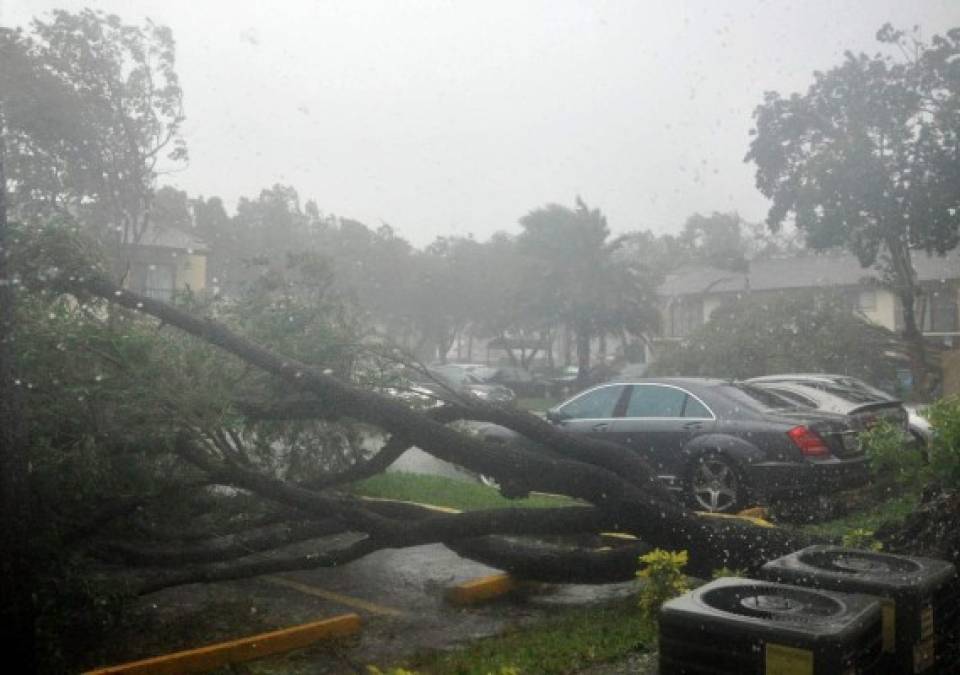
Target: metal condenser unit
x=741, y=626
x=920, y=600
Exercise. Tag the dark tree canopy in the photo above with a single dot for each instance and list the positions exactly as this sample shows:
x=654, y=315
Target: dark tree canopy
x=867, y=158
x=93, y=106
x=762, y=335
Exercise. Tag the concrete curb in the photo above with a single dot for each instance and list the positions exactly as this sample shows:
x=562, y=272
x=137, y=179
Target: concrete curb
x=480, y=590
x=245, y=649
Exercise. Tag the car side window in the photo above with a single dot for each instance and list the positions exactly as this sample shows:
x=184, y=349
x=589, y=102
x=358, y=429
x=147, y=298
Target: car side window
x=597, y=404
x=655, y=401
x=695, y=408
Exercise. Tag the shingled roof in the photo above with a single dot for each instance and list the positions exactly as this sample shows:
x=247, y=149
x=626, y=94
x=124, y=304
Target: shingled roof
x=807, y=271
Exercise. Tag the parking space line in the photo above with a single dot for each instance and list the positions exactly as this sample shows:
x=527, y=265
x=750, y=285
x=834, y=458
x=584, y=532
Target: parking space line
x=339, y=598
x=213, y=656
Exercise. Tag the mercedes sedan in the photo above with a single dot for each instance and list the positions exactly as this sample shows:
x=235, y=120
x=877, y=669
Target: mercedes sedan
x=722, y=444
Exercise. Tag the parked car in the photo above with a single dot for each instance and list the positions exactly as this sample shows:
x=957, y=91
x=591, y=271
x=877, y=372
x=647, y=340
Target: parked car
x=721, y=444
x=849, y=395
x=442, y=380
x=567, y=379
x=478, y=370
x=520, y=380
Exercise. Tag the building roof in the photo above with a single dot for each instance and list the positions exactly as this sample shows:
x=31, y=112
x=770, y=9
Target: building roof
x=806, y=271
x=170, y=238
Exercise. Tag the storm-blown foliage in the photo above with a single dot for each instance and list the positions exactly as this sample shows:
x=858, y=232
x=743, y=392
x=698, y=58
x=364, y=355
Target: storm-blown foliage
x=105, y=395
x=92, y=109
x=867, y=159
x=128, y=441
x=757, y=336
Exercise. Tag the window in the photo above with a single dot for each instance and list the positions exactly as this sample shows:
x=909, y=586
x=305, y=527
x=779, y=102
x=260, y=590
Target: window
x=696, y=409
x=656, y=401
x=596, y=404
x=159, y=283
x=867, y=301
x=686, y=316
x=943, y=311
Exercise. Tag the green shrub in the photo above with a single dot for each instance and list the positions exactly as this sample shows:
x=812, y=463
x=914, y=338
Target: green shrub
x=861, y=538
x=664, y=578
x=944, y=416
x=889, y=454
x=725, y=572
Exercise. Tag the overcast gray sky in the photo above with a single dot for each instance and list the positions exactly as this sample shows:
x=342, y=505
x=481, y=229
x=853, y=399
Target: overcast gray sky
x=459, y=117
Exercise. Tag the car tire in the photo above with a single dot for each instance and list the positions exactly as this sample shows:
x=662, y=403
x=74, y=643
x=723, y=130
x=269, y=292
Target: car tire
x=715, y=484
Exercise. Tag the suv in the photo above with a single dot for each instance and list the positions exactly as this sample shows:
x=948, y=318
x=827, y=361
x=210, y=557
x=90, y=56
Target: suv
x=720, y=443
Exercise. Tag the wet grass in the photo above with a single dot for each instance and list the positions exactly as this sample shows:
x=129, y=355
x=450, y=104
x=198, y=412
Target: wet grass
x=567, y=644
x=873, y=510
x=448, y=492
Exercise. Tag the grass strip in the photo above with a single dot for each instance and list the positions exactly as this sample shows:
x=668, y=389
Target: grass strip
x=579, y=638
x=449, y=492
x=868, y=517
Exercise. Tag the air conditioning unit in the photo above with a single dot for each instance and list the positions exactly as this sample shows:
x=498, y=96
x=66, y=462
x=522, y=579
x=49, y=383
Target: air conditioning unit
x=739, y=626
x=920, y=599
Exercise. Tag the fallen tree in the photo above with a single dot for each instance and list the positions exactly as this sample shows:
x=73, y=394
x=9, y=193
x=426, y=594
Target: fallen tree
x=616, y=491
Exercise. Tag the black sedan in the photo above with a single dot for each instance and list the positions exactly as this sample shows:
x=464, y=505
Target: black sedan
x=722, y=444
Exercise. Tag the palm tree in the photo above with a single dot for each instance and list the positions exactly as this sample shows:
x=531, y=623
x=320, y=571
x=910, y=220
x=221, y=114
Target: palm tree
x=583, y=283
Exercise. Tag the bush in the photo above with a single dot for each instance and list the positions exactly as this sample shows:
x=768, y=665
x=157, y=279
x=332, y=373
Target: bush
x=754, y=336
x=664, y=580
x=945, y=449
x=862, y=539
x=889, y=455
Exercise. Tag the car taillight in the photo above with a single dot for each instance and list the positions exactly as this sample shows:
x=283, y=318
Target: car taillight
x=810, y=444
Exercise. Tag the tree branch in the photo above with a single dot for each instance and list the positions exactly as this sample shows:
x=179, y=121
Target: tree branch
x=639, y=506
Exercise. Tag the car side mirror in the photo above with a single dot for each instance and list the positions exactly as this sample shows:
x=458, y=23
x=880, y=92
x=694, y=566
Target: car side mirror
x=555, y=416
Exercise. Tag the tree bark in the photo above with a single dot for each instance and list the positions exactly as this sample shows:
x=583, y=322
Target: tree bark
x=583, y=353
x=905, y=279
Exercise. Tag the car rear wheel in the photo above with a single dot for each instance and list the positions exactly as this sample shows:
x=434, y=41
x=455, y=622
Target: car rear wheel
x=714, y=484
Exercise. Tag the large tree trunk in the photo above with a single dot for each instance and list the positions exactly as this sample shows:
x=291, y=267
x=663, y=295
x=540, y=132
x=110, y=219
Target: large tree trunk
x=583, y=353
x=916, y=345
x=17, y=563
x=905, y=280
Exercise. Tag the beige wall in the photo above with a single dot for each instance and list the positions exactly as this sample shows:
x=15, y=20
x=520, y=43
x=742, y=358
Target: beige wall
x=710, y=305
x=191, y=271
x=951, y=372
x=884, y=312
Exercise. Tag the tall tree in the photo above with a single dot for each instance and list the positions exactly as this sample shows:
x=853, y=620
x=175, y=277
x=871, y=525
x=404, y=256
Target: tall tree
x=717, y=239
x=112, y=112
x=585, y=285
x=869, y=158
x=16, y=503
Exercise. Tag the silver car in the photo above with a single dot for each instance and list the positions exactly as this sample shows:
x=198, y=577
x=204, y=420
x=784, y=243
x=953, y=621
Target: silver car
x=849, y=395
